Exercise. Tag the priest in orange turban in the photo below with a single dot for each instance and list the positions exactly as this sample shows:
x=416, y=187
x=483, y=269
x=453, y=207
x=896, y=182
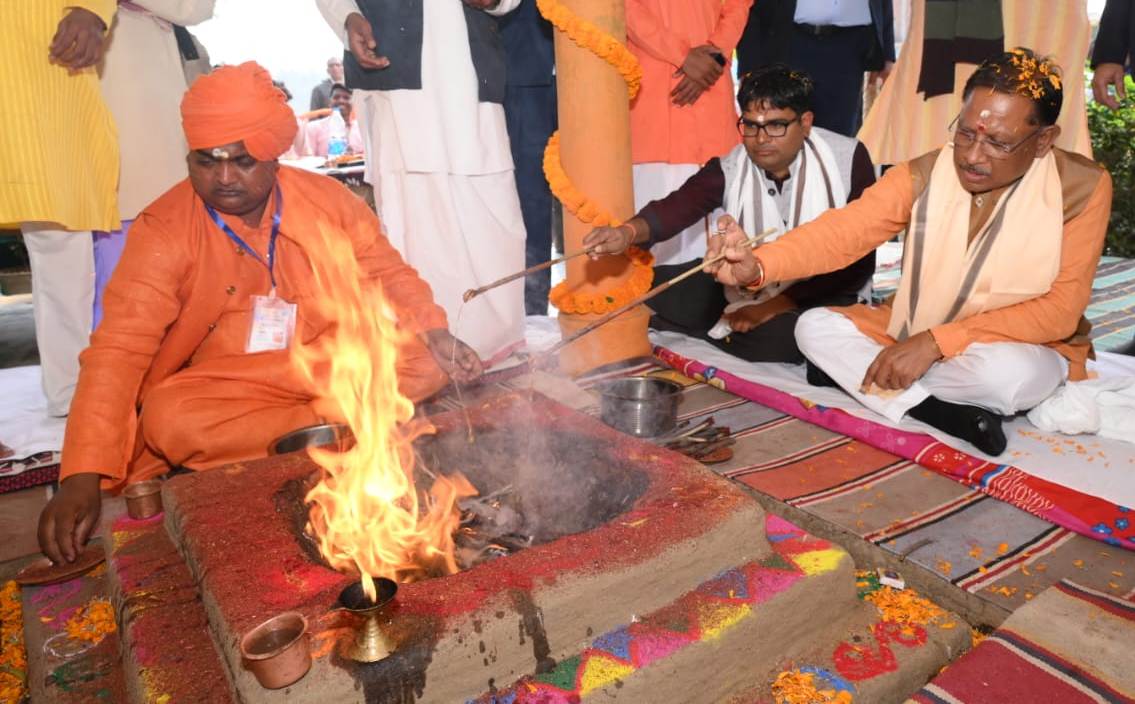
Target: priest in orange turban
x=191, y=365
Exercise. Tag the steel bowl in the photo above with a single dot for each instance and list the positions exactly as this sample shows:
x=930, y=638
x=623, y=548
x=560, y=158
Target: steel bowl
x=312, y=436
x=642, y=406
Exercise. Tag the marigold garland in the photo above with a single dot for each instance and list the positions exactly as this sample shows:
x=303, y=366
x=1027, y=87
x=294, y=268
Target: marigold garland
x=13, y=655
x=606, y=47
x=638, y=283
x=595, y=40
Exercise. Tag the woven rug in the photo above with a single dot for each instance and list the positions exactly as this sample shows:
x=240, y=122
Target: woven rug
x=1071, y=645
x=1112, y=309
x=985, y=546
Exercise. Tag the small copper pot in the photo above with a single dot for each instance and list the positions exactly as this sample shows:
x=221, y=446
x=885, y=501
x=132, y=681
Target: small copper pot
x=143, y=499
x=277, y=650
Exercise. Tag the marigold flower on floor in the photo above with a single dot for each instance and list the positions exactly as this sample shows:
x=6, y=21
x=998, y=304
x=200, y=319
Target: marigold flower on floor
x=796, y=687
x=13, y=656
x=905, y=607
x=92, y=622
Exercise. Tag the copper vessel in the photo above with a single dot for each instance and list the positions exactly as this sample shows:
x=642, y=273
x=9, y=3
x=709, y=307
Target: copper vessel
x=369, y=643
x=143, y=499
x=277, y=650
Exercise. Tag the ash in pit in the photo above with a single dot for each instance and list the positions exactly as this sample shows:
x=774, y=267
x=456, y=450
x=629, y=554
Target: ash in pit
x=534, y=486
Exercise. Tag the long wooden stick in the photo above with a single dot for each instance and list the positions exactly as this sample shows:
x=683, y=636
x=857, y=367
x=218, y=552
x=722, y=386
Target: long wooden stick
x=474, y=292
x=751, y=242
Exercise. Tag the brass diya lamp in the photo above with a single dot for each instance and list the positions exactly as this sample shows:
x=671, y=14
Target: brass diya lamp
x=369, y=643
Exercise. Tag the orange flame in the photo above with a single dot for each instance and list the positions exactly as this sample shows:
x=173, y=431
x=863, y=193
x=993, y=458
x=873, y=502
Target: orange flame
x=366, y=513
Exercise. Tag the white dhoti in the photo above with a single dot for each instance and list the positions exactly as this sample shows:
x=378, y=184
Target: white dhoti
x=461, y=232
x=1003, y=377
x=444, y=184
x=63, y=291
x=655, y=180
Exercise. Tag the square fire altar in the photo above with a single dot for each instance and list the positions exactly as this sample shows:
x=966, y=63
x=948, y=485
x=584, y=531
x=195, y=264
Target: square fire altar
x=617, y=528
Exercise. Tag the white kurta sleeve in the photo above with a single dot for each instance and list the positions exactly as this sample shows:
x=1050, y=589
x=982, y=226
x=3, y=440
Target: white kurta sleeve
x=335, y=12
x=182, y=12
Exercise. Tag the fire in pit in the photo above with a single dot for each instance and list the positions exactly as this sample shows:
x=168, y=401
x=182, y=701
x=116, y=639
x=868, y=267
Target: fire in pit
x=366, y=511
x=531, y=486
x=367, y=514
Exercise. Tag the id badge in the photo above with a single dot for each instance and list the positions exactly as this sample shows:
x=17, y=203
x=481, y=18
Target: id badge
x=273, y=324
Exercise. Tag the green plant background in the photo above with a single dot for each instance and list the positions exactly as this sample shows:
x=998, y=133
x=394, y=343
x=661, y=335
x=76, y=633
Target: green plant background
x=1113, y=144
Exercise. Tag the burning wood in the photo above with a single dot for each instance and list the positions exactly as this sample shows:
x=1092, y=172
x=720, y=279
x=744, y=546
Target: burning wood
x=491, y=526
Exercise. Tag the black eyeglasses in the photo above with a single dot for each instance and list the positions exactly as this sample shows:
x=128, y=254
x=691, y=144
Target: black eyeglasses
x=773, y=128
x=965, y=138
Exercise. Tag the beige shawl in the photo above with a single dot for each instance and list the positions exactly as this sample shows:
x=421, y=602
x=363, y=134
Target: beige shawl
x=1014, y=257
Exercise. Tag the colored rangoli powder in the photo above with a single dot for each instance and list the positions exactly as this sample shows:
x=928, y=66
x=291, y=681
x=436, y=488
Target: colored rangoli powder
x=92, y=622
x=13, y=656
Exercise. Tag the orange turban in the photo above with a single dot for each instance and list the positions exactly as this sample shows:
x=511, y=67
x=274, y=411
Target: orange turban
x=238, y=104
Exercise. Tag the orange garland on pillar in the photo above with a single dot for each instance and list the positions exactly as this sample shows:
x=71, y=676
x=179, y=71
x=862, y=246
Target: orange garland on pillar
x=606, y=47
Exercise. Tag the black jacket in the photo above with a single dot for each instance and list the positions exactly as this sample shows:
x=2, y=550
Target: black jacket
x=398, y=29
x=528, y=46
x=1115, y=42
x=769, y=30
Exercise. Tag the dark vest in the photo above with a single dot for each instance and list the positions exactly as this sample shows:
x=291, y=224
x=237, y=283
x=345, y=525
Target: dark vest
x=398, y=26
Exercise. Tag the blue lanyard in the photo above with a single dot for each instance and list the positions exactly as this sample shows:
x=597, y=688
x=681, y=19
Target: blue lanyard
x=244, y=245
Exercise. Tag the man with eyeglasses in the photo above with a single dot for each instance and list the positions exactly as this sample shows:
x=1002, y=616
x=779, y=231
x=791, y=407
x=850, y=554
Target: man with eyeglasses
x=1003, y=235
x=784, y=173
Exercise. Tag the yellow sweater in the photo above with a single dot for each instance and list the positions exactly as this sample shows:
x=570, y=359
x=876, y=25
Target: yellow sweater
x=58, y=143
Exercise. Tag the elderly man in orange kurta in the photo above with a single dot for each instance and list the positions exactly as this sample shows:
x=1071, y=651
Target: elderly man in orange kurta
x=191, y=366
x=684, y=115
x=1003, y=235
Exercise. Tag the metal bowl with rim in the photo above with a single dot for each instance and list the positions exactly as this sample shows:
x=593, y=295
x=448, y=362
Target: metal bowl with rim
x=642, y=406
x=312, y=436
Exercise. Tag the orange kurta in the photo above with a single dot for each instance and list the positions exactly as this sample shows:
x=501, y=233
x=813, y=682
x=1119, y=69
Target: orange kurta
x=661, y=34
x=166, y=380
x=839, y=237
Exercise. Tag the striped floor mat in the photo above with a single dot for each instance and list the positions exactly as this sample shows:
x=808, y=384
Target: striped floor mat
x=1112, y=310
x=1072, y=645
x=982, y=545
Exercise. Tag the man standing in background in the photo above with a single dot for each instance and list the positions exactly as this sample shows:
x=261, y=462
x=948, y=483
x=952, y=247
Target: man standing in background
x=145, y=106
x=685, y=114
x=60, y=169
x=321, y=94
x=833, y=41
x=1114, y=51
x=1113, y=58
x=429, y=86
x=530, y=110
